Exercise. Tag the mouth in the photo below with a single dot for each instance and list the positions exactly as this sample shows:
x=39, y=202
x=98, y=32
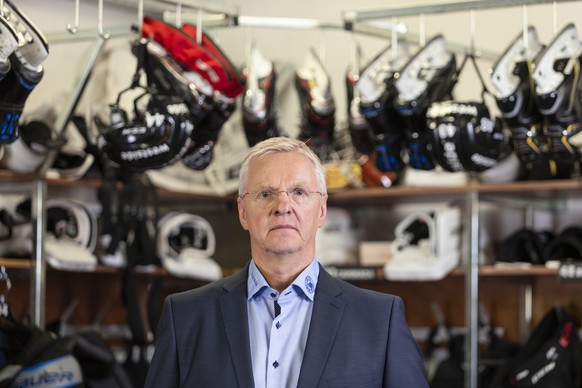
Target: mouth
x=282, y=227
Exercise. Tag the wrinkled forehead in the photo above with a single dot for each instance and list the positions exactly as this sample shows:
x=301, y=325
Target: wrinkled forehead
x=281, y=170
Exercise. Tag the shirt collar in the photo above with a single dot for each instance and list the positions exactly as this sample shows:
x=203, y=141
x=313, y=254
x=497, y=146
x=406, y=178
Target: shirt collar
x=255, y=282
x=306, y=281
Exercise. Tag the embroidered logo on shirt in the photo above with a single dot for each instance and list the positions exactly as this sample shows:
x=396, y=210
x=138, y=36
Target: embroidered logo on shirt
x=309, y=284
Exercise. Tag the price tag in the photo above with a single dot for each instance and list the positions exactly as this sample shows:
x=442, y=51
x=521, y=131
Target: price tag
x=570, y=271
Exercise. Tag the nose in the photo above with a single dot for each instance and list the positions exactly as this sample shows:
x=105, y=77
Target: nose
x=283, y=202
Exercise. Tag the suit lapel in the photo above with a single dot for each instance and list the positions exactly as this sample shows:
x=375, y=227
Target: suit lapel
x=327, y=313
x=233, y=305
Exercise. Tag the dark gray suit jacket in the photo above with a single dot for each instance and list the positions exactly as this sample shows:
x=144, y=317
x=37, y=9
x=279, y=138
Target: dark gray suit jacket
x=357, y=338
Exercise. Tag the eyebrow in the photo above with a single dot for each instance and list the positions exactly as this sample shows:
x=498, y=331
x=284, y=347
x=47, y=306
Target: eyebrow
x=272, y=188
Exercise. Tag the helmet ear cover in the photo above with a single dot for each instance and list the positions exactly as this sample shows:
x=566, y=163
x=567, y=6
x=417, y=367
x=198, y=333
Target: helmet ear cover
x=156, y=137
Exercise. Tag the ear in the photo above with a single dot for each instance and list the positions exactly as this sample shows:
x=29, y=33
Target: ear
x=322, y=211
x=242, y=213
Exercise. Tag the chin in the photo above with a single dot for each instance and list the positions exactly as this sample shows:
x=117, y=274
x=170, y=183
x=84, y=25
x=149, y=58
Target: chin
x=280, y=251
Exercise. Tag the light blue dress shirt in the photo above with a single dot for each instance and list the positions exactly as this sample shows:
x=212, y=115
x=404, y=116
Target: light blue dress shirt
x=278, y=342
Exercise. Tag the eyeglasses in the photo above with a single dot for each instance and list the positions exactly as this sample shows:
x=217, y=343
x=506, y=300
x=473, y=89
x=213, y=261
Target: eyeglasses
x=265, y=198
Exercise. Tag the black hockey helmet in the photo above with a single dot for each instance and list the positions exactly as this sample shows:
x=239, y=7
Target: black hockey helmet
x=157, y=136
x=466, y=137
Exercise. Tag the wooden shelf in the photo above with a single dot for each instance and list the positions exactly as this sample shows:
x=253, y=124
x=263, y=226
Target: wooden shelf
x=9, y=263
x=531, y=188
x=358, y=271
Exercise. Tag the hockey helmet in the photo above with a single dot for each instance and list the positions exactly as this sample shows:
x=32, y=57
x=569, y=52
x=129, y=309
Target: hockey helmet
x=466, y=137
x=72, y=235
x=185, y=245
x=156, y=137
x=29, y=151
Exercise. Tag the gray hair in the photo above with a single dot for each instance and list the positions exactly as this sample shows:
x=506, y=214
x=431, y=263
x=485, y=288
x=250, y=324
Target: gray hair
x=280, y=144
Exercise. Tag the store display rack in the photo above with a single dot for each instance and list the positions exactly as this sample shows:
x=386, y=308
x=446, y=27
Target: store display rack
x=546, y=194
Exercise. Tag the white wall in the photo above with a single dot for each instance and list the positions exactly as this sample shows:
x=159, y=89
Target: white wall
x=494, y=30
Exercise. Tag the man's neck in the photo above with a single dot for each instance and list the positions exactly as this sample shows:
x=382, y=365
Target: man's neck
x=281, y=272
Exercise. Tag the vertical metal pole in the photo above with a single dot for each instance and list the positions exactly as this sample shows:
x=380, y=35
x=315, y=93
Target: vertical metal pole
x=421, y=30
x=199, y=18
x=38, y=283
x=472, y=293
x=525, y=312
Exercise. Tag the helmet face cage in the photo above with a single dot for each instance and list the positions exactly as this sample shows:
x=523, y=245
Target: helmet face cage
x=154, y=139
x=204, y=137
x=167, y=77
x=188, y=235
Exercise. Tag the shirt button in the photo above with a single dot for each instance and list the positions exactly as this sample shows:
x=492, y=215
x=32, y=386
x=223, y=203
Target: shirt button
x=273, y=295
x=278, y=325
x=275, y=364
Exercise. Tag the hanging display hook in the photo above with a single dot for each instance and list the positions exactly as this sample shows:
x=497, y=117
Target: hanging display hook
x=139, y=17
x=473, y=32
x=199, y=16
x=100, y=21
x=421, y=30
x=555, y=17
x=525, y=29
x=394, y=36
x=74, y=28
x=178, y=15
x=322, y=45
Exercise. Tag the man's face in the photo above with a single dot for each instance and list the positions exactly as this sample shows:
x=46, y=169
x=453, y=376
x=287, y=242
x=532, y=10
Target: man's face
x=282, y=226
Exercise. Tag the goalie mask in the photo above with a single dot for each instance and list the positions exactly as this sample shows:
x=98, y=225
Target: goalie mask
x=185, y=245
x=156, y=137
